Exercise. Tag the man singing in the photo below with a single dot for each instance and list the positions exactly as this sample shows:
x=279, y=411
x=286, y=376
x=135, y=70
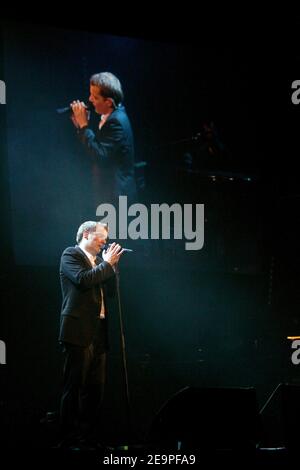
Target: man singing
x=86, y=281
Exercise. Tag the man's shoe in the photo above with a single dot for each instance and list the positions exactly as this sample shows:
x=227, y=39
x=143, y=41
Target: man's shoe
x=67, y=443
x=50, y=417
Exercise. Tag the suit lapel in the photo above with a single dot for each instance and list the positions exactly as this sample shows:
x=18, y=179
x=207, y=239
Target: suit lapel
x=82, y=253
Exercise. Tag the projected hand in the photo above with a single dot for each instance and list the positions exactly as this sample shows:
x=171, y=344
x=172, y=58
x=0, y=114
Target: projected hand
x=80, y=116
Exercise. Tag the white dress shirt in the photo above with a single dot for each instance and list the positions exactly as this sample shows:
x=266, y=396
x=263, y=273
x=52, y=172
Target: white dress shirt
x=92, y=260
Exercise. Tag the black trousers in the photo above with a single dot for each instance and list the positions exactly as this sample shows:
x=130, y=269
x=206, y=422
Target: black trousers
x=84, y=374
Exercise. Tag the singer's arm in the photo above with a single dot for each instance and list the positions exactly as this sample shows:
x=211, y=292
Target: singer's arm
x=105, y=149
x=110, y=286
x=73, y=267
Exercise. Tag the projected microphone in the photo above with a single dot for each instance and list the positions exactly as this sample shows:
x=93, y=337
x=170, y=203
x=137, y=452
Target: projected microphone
x=68, y=109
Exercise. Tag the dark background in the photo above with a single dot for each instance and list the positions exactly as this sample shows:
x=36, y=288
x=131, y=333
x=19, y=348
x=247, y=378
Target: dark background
x=218, y=317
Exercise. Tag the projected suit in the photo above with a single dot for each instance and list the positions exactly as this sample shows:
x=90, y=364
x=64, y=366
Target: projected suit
x=112, y=152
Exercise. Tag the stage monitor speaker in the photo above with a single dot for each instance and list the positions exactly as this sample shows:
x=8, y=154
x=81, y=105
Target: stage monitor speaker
x=280, y=417
x=207, y=419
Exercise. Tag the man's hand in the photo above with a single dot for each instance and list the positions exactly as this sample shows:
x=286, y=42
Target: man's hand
x=80, y=116
x=113, y=254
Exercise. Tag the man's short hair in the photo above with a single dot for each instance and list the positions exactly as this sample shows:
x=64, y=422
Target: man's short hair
x=89, y=226
x=110, y=86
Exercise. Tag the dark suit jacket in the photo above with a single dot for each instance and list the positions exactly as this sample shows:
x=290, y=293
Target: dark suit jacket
x=112, y=152
x=81, y=289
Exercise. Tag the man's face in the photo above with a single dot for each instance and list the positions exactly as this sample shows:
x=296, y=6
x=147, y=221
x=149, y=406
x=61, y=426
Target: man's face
x=102, y=105
x=96, y=240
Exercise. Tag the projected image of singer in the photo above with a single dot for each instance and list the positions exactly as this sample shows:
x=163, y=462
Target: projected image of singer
x=87, y=280
x=110, y=146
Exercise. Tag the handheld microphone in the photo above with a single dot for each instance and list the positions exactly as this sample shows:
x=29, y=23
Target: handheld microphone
x=67, y=109
x=124, y=249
